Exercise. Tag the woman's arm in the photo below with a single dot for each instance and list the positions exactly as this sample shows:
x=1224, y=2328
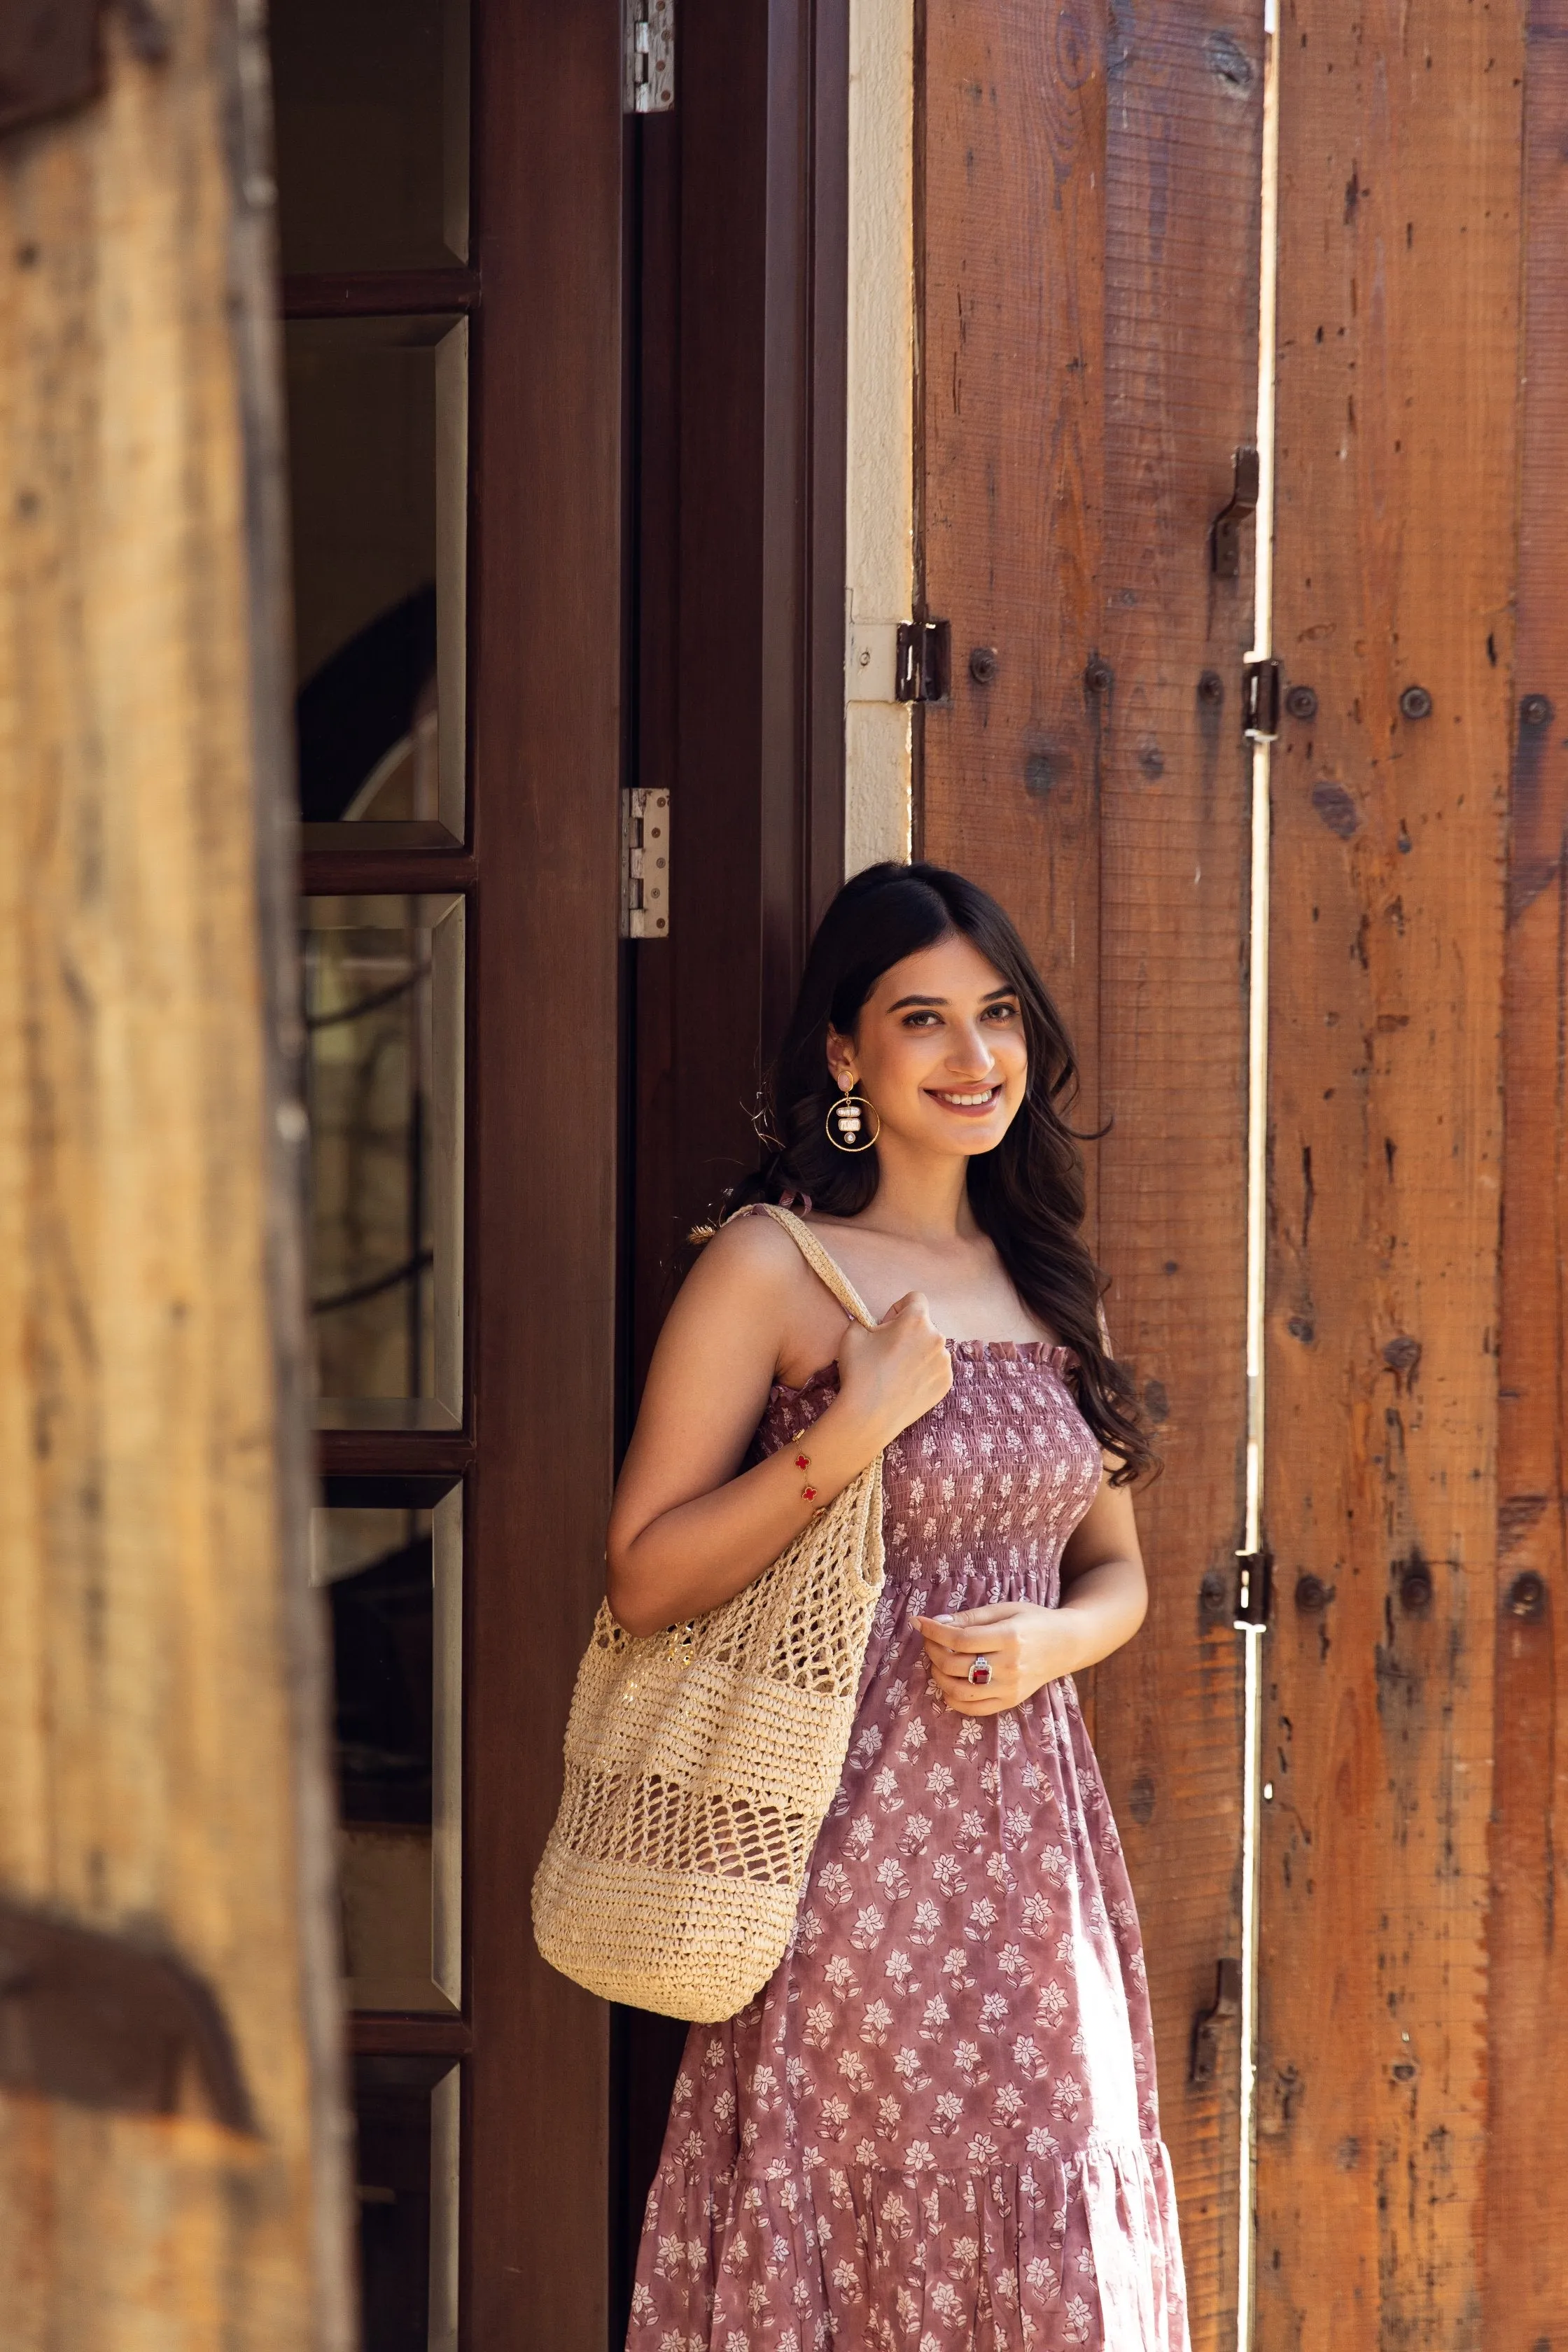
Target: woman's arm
x=685, y=1531
x=1105, y=1597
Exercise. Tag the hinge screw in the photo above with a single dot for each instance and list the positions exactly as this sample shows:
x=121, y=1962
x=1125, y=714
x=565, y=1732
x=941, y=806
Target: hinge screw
x=1211, y=686
x=1311, y=1593
x=1536, y=711
x=1527, y=1596
x=983, y=664
x=1301, y=702
x=1098, y=677
x=1416, y=702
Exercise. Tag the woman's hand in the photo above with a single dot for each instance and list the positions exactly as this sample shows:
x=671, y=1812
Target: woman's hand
x=1104, y=1597
x=891, y=1375
x=1027, y=1647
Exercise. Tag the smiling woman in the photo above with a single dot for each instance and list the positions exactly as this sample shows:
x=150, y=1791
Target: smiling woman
x=937, y=2123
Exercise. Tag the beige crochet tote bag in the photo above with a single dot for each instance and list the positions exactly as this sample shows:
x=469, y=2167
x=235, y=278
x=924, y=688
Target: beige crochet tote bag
x=700, y=1761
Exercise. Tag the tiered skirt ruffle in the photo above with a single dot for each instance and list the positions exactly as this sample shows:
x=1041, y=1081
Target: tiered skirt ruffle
x=1070, y=2251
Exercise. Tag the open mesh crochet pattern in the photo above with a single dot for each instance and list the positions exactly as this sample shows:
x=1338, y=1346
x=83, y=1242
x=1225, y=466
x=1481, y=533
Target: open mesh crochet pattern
x=700, y=1761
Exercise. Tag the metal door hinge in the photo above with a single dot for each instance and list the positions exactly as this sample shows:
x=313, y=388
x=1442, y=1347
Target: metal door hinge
x=648, y=56
x=924, y=661
x=1254, y=1579
x=1262, y=684
x=645, y=865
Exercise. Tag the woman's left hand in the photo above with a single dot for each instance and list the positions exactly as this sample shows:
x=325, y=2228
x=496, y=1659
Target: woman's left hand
x=1027, y=1647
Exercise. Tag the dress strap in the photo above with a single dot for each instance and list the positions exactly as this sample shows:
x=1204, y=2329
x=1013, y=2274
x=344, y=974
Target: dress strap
x=824, y=1268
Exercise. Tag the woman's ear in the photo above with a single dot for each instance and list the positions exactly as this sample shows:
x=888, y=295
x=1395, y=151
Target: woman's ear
x=840, y=1058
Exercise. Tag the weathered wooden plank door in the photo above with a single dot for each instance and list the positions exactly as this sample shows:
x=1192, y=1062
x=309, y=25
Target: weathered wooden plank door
x=1090, y=335
x=171, y=2154
x=1411, y=2060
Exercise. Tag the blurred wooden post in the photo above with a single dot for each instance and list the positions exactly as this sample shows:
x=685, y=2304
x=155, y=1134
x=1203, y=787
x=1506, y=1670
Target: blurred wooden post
x=172, y=2158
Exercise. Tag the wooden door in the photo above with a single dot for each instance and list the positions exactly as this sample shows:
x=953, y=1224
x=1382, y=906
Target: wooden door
x=1089, y=312
x=1089, y=334
x=451, y=251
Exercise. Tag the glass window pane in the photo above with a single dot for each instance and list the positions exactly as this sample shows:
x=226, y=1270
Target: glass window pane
x=393, y=1580
x=371, y=111
x=378, y=489
x=406, y=2112
x=383, y=1021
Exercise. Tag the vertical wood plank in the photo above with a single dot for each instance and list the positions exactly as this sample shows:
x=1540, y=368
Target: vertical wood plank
x=161, y=1702
x=1527, y=2184
x=1009, y=475
x=1397, y=371
x=1182, y=180
x=1089, y=367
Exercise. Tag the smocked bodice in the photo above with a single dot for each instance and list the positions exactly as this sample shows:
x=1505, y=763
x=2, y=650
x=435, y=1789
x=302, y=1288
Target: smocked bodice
x=982, y=1491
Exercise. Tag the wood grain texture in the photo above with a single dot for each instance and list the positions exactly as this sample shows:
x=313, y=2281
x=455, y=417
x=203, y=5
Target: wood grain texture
x=1090, y=342
x=1527, y=2184
x=1398, y=362
x=1185, y=123
x=161, y=1703
x=546, y=781
x=1010, y=470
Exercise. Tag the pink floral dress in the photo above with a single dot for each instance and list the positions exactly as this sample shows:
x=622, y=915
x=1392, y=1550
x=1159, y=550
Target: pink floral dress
x=935, y=2129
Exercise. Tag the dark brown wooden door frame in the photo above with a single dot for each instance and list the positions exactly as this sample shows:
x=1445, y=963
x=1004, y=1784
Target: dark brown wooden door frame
x=738, y=260
x=544, y=696
x=541, y=874
x=676, y=284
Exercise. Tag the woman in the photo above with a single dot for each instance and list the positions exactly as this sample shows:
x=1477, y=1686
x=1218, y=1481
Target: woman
x=936, y=2126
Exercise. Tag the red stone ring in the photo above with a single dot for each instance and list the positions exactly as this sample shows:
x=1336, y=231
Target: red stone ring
x=979, y=1671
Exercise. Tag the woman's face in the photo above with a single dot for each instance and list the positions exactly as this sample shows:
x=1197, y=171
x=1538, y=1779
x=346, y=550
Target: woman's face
x=939, y=1051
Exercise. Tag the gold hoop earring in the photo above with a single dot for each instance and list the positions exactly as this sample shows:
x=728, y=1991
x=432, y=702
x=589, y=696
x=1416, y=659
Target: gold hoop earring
x=845, y=1116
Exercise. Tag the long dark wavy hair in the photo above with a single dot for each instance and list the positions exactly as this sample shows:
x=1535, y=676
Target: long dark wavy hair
x=1027, y=1194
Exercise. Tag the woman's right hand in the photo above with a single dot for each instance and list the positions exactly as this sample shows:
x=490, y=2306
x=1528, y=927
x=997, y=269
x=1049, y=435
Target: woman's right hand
x=892, y=1373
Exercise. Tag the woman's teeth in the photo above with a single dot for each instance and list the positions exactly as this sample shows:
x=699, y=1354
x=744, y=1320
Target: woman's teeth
x=968, y=1102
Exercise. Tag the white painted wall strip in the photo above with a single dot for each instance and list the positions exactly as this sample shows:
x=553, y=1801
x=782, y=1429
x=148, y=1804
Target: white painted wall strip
x=881, y=455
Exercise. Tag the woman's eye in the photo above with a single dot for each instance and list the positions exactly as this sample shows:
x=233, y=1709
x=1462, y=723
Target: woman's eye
x=920, y=1020
x=1002, y=1012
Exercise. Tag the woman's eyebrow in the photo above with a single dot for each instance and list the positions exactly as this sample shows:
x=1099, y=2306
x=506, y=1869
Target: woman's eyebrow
x=988, y=998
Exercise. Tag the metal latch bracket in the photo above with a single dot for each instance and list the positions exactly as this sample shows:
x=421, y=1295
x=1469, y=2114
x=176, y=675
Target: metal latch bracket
x=1262, y=686
x=1254, y=1582
x=924, y=661
x=1225, y=543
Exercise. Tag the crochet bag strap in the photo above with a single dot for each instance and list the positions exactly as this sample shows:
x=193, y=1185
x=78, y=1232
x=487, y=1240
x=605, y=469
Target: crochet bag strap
x=817, y=1257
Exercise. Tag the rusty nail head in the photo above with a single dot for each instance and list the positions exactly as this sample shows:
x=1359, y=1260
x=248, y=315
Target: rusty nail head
x=1311, y=1593
x=983, y=664
x=1416, y=1589
x=1416, y=702
x=1211, y=686
x=1301, y=702
x=1536, y=711
x=1527, y=1596
x=1098, y=677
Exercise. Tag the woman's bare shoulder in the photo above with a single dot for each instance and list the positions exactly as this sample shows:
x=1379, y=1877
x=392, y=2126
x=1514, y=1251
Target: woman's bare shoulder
x=751, y=1258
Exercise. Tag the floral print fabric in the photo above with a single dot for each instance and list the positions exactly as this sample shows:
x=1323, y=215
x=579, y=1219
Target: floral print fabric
x=936, y=2129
